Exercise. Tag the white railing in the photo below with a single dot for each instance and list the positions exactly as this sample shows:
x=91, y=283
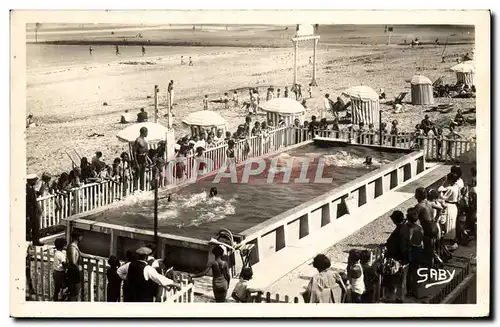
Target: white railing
x=94, y=280
x=95, y=195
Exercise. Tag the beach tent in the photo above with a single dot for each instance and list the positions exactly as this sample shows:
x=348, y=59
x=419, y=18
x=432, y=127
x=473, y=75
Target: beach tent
x=156, y=133
x=365, y=104
x=205, y=120
x=465, y=72
x=421, y=90
x=287, y=109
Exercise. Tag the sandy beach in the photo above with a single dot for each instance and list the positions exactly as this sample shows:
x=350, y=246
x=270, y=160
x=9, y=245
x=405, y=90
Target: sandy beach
x=66, y=87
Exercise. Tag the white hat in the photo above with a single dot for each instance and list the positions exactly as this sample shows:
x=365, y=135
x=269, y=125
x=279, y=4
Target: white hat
x=31, y=176
x=442, y=189
x=177, y=147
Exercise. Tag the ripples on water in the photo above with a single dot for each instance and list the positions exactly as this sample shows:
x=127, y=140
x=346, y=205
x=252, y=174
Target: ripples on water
x=240, y=206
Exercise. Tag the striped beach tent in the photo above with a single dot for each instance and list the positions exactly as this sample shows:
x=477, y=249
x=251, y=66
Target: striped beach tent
x=465, y=72
x=365, y=104
x=421, y=90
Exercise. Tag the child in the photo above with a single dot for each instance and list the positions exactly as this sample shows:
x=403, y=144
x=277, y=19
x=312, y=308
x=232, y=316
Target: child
x=59, y=267
x=225, y=99
x=114, y=281
x=235, y=98
x=231, y=157
x=241, y=291
x=356, y=276
x=279, y=93
x=310, y=91
x=205, y=102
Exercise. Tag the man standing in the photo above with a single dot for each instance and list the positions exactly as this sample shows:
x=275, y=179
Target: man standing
x=33, y=211
x=143, y=49
x=327, y=105
x=170, y=91
x=140, y=151
x=75, y=266
x=142, y=279
x=425, y=217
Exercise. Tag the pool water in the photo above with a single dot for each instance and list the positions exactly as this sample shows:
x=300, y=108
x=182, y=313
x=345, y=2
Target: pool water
x=239, y=206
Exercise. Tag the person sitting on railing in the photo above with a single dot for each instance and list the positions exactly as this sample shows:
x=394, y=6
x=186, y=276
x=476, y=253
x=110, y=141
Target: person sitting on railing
x=142, y=278
x=326, y=286
x=74, y=177
x=323, y=124
x=44, y=187
x=86, y=169
x=114, y=281
x=453, y=135
x=95, y=160
x=256, y=129
x=116, y=170
x=313, y=126
x=230, y=154
x=426, y=125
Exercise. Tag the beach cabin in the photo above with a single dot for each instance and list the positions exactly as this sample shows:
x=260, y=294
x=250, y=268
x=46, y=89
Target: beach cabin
x=206, y=121
x=465, y=72
x=365, y=104
x=287, y=109
x=421, y=90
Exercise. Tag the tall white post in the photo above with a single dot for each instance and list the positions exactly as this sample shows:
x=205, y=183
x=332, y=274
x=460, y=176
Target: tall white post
x=156, y=103
x=313, y=82
x=295, y=62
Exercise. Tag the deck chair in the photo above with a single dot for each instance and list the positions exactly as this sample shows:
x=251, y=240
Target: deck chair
x=438, y=82
x=399, y=99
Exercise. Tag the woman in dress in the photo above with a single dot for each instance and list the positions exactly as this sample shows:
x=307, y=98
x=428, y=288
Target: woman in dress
x=450, y=193
x=326, y=286
x=220, y=275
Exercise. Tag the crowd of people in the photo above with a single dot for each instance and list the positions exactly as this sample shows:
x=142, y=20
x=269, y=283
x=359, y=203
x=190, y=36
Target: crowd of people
x=442, y=219
x=138, y=279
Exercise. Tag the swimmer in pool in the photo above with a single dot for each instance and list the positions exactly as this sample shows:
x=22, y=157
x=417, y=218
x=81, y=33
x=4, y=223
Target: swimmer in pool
x=213, y=192
x=368, y=161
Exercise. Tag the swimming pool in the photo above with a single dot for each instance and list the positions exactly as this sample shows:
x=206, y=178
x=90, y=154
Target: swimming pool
x=240, y=206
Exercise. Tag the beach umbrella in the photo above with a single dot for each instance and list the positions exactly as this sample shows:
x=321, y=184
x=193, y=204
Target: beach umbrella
x=156, y=132
x=365, y=104
x=205, y=118
x=465, y=67
x=421, y=90
x=283, y=108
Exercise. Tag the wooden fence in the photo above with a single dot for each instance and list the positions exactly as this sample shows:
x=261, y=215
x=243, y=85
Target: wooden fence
x=94, y=195
x=94, y=280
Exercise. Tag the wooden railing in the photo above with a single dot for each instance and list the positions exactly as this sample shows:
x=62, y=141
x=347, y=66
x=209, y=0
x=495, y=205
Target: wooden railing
x=94, y=195
x=94, y=280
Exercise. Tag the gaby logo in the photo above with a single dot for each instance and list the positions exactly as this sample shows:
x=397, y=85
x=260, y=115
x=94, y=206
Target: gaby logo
x=434, y=276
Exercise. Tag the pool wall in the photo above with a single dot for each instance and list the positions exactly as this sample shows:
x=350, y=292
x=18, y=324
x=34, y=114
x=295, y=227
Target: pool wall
x=274, y=234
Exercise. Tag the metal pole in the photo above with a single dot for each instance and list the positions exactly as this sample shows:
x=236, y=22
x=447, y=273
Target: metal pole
x=380, y=126
x=155, y=180
x=295, y=62
x=156, y=103
x=313, y=82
